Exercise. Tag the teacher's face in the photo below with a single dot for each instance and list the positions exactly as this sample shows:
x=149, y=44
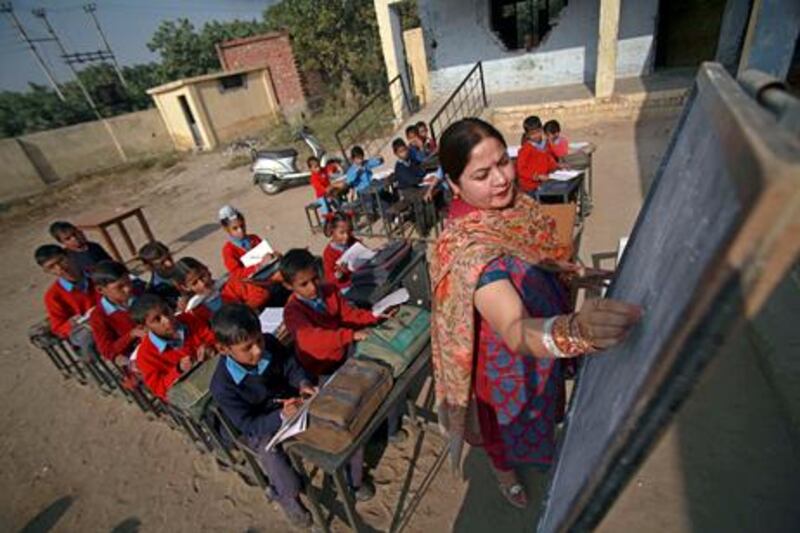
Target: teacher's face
x=488, y=179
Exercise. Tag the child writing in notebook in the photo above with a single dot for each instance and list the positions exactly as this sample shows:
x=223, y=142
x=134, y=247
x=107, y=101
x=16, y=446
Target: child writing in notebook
x=340, y=230
x=534, y=161
x=239, y=242
x=258, y=384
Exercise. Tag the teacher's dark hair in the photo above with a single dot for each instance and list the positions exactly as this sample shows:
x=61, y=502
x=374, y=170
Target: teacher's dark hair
x=457, y=142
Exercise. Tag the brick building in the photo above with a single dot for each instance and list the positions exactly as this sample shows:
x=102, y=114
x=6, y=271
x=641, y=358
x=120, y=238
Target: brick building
x=272, y=50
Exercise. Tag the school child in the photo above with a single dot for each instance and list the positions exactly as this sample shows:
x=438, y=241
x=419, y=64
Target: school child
x=69, y=298
x=158, y=260
x=324, y=326
x=81, y=251
x=258, y=384
x=340, y=230
x=193, y=277
x=172, y=343
x=114, y=331
x=557, y=144
x=324, y=191
x=534, y=161
x=428, y=143
x=416, y=146
x=239, y=243
x=359, y=176
x=408, y=173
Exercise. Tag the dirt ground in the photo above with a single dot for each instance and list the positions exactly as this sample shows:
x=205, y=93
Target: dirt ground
x=77, y=461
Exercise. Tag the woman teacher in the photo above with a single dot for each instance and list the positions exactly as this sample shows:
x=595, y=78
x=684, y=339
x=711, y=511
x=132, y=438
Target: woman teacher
x=502, y=325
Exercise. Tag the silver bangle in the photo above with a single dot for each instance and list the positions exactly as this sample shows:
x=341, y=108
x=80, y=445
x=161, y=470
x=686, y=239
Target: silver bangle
x=549, y=342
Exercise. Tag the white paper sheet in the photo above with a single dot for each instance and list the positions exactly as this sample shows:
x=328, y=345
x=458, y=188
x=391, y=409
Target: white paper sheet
x=271, y=319
x=400, y=296
x=565, y=175
x=579, y=145
x=290, y=428
x=382, y=174
x=257, y=254
x=356, y=256
x=512, y=150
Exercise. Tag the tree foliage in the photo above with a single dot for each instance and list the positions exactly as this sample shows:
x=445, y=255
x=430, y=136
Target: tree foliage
x=335, y=41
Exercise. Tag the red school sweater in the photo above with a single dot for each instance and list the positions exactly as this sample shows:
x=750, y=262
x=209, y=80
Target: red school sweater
x=61, y=305
x=321, y=339
x=330, y=256
x=112, y=332
x=232, y=257
x=160, y=369
x=532, y=163
x=320, y=182
x=238, y=291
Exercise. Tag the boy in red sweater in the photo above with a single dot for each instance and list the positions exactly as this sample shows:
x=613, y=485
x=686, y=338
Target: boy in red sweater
x=114, y=331
x=69, y=299
x=323, y=324
x=340, y=230
x=172, y=344
x=193, y=277
x=534, y=161
x=239, y=243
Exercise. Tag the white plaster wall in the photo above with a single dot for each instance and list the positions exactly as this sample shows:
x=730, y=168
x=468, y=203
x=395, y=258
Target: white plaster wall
x=568, y=54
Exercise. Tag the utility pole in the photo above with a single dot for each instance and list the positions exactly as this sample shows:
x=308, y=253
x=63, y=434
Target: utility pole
x=90, y=10
x=40, y=13
x=6, y=8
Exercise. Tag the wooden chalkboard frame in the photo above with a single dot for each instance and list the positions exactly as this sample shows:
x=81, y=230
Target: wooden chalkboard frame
x=755, y=250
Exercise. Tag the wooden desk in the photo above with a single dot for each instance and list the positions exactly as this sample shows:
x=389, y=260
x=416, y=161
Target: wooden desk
x=100, y=221
x=334, y=465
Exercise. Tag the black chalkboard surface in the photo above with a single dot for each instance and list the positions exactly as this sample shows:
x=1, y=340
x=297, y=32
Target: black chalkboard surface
x=717, y=231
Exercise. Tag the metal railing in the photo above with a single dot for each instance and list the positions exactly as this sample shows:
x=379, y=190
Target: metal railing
x=466, y=100
x=375, y=120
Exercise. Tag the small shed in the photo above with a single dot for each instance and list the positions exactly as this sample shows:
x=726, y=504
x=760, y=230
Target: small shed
x=204, y=111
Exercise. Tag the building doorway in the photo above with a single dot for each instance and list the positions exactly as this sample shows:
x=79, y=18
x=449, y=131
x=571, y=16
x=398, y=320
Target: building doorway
x=688, y=31
x=190, y=120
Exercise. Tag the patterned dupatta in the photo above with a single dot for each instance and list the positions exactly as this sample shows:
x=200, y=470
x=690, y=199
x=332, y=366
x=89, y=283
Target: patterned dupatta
x=472, y=239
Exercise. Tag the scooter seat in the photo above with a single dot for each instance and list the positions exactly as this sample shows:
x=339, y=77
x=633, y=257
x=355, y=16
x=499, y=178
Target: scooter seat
x=280, y=153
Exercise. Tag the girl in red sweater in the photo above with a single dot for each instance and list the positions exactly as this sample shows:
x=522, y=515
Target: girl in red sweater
x=534, y=160
x=239, y=243
x=340, y=230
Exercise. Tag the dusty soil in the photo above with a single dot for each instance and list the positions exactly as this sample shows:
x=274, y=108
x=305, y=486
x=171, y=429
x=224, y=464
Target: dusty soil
x=77, y=461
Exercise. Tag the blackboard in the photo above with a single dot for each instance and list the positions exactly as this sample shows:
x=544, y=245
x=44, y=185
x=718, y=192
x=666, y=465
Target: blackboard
x=717, y=231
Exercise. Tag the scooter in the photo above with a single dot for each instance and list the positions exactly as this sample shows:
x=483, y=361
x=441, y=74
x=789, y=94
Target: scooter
x=275, y=170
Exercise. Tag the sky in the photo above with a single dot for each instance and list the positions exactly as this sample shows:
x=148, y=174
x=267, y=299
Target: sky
x=128, y=25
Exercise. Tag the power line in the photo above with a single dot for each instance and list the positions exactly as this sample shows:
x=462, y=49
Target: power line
x=90, y=9
x=6, y=8
x=70, y=60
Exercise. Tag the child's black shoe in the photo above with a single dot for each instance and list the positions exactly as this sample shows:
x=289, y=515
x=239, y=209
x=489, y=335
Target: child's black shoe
x=365, y=492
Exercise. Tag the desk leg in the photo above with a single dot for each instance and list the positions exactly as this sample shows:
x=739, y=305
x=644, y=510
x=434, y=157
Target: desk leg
x=110, y=243
x=126, y=237
x=145, y=226
x=313, y=500
x=347, y=499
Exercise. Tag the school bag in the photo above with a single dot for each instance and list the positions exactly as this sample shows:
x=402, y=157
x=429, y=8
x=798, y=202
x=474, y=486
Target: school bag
x=397, y=341
x=373, y=280
x=385, y=266
x=191, y=393
x=345, y=404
